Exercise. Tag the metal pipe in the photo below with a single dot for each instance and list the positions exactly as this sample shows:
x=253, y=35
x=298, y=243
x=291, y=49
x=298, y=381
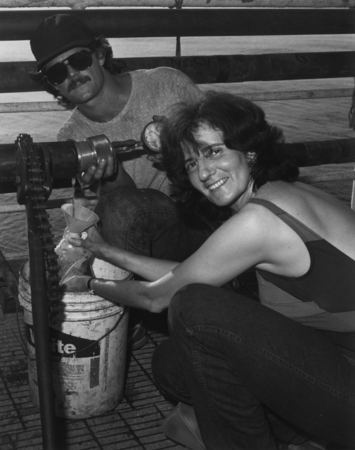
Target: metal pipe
x=65, y=160
x=64, y=157
x=315, y=153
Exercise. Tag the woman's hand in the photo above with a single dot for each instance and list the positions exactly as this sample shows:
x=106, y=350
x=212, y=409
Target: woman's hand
x=76, y=283
x=90, y=240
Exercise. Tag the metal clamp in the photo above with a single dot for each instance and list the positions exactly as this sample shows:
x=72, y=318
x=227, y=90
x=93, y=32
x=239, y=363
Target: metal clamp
x=90, y=152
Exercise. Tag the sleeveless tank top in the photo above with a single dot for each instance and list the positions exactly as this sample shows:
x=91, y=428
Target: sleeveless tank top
x=324, y=297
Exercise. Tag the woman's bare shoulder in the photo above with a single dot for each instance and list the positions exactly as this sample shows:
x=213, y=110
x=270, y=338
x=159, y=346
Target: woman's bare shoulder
x=252, y=222
x=298, y=197
x=320, y=211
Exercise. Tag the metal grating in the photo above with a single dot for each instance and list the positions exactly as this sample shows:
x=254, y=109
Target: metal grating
x=134, y=424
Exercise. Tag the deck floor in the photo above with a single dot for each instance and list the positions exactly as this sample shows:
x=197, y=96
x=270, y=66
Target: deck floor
x=134, y=424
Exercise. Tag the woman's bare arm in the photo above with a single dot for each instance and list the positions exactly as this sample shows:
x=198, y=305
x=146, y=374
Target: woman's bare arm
x=146, y=267
x=234, y=247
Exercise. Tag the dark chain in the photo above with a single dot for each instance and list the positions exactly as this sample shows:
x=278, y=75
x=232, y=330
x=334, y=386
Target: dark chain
x=36, y=190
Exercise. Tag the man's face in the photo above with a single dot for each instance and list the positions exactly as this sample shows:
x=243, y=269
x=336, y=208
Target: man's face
x=80, y=84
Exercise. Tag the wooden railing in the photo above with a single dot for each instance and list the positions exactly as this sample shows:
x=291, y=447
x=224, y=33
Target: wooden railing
x=82, y=4
x=217, y=18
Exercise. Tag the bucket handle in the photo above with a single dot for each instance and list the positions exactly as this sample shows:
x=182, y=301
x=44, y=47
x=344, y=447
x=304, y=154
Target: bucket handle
x=110, y=330
x=115, y=325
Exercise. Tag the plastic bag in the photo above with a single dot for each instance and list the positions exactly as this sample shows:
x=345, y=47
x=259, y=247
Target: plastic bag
x=75, y=260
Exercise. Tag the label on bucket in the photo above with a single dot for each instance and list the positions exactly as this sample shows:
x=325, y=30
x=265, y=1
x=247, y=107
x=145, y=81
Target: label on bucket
x=66, y=345
x=72, y=373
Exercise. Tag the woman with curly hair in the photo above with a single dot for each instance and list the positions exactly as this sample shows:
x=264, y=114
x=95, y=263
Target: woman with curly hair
x=249, y=374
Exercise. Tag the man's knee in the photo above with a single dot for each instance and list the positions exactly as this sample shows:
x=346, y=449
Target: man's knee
x=138, y=220
x=131, y=202
x=123, y=199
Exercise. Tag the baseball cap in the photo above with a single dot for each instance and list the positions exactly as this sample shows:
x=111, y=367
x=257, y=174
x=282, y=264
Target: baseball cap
x=57, y=34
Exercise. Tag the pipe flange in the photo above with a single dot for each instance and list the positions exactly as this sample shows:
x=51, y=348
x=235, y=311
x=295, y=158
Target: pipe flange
x=90, y=152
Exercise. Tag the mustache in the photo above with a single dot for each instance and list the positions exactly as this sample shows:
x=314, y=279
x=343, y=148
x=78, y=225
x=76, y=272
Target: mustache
x=74, y=83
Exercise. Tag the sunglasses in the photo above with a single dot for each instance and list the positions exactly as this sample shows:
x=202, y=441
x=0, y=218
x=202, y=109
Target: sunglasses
x=57, y=73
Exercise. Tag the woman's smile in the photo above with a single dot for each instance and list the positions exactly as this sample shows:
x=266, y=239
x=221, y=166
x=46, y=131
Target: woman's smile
x=215, y=185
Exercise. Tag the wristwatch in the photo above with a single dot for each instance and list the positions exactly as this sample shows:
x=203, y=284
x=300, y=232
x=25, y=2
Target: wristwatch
x=91, y=291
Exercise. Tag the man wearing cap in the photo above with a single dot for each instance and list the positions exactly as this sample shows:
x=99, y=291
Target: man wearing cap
x=76, y=66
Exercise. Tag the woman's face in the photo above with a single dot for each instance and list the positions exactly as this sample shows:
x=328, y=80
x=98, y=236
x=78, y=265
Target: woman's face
x=221, y=174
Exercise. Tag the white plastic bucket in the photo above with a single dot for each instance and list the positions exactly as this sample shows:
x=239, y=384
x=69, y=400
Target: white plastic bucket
x=88, y=353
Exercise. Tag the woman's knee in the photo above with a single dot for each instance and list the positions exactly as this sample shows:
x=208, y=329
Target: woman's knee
x=204, y=305
x=188, y=304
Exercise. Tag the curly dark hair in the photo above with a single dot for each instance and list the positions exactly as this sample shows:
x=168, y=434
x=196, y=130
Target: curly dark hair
x=99, y=44
x=244, y=128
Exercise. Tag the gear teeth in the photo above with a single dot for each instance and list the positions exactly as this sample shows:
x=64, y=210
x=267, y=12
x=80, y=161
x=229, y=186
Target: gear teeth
x=38, y=194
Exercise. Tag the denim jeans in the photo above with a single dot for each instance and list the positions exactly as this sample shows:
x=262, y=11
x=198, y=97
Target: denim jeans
x=235, y=361
x=146, y=222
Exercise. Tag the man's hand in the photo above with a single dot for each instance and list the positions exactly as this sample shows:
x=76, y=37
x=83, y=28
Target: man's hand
x=110, y=172
x=103, y=170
